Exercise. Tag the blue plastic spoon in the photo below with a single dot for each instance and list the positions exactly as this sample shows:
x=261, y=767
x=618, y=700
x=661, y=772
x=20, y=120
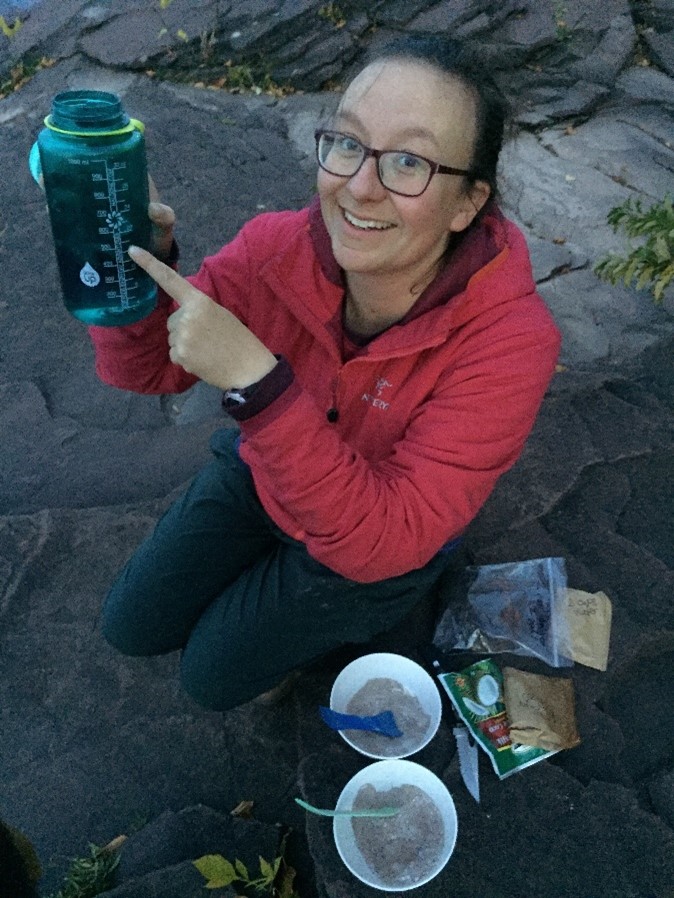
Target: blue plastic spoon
x=384, y=723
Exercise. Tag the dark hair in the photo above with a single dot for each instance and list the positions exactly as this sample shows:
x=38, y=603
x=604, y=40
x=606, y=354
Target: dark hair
x=453, y=59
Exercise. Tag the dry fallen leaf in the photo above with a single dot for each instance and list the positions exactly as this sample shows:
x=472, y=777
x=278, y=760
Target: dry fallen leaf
x=244, y=809
x=114, y=845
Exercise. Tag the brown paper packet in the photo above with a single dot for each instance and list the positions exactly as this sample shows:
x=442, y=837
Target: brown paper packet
x=541, y=710
x=588, y=617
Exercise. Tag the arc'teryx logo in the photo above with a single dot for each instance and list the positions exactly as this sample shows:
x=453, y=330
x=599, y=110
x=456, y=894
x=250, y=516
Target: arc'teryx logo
x=376, y=400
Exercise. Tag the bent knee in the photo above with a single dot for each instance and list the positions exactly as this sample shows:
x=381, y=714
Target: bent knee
x=201, y=685
x=212, y=685
x=131, y=634
x=127, y=638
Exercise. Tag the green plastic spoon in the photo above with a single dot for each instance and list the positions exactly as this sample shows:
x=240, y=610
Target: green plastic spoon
x=372, y=812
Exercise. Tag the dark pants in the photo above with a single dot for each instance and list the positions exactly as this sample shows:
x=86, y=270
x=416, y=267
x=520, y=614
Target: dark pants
x=245, y=603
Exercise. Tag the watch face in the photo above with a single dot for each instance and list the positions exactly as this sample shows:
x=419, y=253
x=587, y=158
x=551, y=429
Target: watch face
x=237, y=396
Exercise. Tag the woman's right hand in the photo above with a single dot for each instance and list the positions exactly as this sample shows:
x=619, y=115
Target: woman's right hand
x=163, y=219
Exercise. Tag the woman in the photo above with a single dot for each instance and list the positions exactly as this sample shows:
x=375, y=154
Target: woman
x=385, y=354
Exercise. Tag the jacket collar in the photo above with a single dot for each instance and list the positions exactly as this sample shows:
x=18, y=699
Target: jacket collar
x=470, y=251
x=490, y=254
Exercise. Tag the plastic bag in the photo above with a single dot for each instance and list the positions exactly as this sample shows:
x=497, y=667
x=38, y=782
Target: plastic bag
x=516, y=607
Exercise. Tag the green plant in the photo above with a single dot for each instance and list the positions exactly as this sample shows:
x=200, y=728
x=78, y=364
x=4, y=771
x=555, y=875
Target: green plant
x=649, y=263
x=22, y=72
x=91, y=875
x=562, y=30
x=275, y=879
x=244, y=77
x=332, y=13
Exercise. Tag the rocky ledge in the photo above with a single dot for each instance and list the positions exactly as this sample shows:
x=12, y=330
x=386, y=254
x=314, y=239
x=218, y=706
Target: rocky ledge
x=94, y=745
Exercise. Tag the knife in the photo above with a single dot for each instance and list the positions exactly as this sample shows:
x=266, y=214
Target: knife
x=465, y=745
x=468, y=763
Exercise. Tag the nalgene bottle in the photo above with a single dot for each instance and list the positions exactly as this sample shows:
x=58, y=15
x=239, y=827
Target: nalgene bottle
x=95, y=177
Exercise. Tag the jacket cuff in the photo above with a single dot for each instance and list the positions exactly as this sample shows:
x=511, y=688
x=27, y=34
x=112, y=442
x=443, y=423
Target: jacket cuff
x=260, y=395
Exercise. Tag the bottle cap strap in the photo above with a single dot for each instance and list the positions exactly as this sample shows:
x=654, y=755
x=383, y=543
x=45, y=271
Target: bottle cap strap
x=134, y=125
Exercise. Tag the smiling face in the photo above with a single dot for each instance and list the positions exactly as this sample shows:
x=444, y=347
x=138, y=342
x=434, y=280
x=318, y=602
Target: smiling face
x=402, y=105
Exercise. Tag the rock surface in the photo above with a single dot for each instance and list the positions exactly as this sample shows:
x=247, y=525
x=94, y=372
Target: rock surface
x=94, y=744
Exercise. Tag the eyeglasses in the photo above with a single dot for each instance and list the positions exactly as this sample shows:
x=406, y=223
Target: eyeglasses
x=403, y=173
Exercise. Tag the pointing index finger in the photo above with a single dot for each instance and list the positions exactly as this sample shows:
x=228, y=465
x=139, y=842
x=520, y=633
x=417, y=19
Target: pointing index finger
x=168, y=279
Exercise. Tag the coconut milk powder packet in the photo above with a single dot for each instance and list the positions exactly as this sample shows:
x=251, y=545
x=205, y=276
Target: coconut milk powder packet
x=477, y=696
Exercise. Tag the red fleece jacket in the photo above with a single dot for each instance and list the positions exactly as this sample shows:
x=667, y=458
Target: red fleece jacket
x=431, y=412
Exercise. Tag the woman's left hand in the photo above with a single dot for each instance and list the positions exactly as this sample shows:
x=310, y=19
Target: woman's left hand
x=204, y=338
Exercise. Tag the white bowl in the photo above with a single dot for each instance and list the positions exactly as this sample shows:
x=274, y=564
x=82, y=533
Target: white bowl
x=384, y=775
x=418, y=687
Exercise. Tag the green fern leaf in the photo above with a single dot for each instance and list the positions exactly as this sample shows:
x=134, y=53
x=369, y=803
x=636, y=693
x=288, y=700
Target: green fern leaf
x=266, y=870
x=662, y=250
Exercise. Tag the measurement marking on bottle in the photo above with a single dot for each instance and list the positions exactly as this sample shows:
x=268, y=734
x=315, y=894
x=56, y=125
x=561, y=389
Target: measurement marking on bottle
x=114, y=224
x=111, y=189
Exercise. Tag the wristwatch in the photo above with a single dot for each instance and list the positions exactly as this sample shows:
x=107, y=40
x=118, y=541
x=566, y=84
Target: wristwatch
x=239, y=396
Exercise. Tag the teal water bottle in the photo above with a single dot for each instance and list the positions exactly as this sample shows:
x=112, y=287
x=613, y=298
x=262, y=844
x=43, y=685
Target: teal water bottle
x=93, y=163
